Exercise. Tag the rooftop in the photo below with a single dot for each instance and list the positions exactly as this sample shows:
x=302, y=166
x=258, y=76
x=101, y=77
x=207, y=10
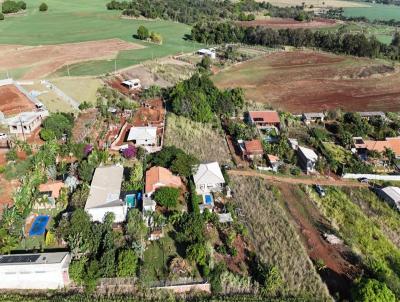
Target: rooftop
x=393, y=193
x=268, y=116
x=308, y=153
x=142, y=133
x=24, y=259
x=106, y=187
x=253, y=146
x=26, y=118
x=209, y=173
x=311, y=115
x=51, y=187
x=161, y=176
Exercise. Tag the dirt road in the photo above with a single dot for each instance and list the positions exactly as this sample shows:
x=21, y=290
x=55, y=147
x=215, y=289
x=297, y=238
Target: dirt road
x=298, y=180
x=340, y=266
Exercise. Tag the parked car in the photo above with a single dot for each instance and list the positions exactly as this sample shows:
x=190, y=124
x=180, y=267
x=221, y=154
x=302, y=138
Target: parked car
x=3, y=136
x=363, y=180
x=320, y=190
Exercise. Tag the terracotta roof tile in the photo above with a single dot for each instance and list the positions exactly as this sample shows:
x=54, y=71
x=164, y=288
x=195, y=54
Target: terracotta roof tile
x=253, y=147
x=160, y=177
x=266, y=116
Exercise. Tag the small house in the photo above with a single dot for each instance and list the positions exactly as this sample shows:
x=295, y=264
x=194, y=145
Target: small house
x=369, y=114
x=391, y=195
x=143, y=136
x=274, y=162
x=132, y=84
x=313, y=117
x=25, y=123
x=35, y=271
x=253, y=149
x=294, y=143
x=307, y=159
x=207, y=52
x=157, y=177
x=208, y=178
x=104, y=194
x=49, y=191
x=265, y=119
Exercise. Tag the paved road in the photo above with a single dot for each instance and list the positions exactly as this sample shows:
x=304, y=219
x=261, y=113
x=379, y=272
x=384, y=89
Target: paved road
x=299, y=180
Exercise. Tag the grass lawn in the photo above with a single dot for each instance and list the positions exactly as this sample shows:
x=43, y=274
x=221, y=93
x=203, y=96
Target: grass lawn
x=198, y=139
x=81, y=89
x=78, y=21
x=156, y=259
x=374, y=11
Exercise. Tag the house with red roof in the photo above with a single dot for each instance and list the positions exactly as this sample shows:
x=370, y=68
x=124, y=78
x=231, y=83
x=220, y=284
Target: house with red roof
x=157, y=177
x=251, y=149
x=265, y=119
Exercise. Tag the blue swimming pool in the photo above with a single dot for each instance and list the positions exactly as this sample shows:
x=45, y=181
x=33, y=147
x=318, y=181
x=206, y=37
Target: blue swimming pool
x=208, y=199
x=39, y=225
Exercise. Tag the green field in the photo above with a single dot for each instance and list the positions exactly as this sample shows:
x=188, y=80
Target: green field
x=375, y=11
x=83, y=20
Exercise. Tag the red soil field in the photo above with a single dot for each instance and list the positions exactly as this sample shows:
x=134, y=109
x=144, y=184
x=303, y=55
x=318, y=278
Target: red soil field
x=43, y=60
x=279, y=23
x=304, y=81
x=12, y=101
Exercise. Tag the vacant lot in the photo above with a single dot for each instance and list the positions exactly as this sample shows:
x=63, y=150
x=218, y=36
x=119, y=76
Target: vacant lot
x=12, y=101
x=46, y=59
x=198, y=139
x=301, y=81
x=278, y=23
x=81, y=89
x=275, y=239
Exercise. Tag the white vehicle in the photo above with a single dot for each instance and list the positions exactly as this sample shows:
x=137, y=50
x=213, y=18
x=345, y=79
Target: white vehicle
x=3, y=136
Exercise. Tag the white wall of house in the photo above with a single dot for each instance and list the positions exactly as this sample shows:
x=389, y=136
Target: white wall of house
x=99, y=213
x=204, y=188
x=35, y=276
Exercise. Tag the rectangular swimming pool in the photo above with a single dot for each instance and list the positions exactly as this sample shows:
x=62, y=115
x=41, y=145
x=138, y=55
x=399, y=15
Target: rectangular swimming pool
x=39, y=225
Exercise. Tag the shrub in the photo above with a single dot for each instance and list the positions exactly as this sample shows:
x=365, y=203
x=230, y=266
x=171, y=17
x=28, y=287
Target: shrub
x=127, y=263
x=167, y=197
x=156, y=38
x=1, y=16
x=85, y=105
x=10, y=7
x=142, y=32
x=43, y=7
x=129, y=152
x=21, y=5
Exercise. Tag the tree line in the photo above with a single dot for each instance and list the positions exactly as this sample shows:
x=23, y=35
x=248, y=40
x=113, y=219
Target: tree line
x=344, y=43
x=192, y=11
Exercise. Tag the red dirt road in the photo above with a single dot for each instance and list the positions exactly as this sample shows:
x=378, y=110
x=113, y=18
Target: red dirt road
x=340, y=267
x=278, y=23
x=12, y=101
x=305, y=81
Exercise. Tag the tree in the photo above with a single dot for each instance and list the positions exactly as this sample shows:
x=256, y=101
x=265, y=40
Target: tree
x=135, y=227
x=197, y=253
x=85, y=171
x=371, y=290
x=167, y=197
x=56, y=125
x=142, y=32
x=156, y=38
x=43, y=7
x=22, y=5
x=80, y=196
x=1, y=16
x=77, y=270
x=127, y=264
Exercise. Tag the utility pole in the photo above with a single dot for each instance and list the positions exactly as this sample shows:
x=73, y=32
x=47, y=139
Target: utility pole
x=68, y=70
x=115, y=66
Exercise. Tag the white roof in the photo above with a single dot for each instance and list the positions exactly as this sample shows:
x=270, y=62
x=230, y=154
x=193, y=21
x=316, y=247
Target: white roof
x=131, y=82
x=206, y=51
x=25, y=117
x=142, y=133
x=393, y=193
x=308, y=153
x=311, y=115
x=106, y=187
x=208, y=173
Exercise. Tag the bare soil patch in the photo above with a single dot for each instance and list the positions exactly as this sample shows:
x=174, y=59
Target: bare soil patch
x=13, y=101
x=46, y=59
x=302, y=81
x=289, y=23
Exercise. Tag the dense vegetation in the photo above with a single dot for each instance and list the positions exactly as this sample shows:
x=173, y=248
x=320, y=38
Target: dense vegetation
x=351, y=44
x=191, y=11
x=10, y=6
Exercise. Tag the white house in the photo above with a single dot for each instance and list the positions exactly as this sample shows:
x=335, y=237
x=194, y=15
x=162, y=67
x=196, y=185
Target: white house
x=104, y=195
x=208, y=178
x=207, y=52
x=132, y=84
x=313, y=117
x=25, y=122
x=307, y=159
x=143, y=136
x=34, y=271
x=391, y=195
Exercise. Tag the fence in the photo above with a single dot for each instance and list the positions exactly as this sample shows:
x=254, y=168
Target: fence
x=74, y=103
x=372, y=176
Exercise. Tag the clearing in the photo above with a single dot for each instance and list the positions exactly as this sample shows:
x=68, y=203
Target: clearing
x=278, y=23
x=275, y=239
x=44, y=60
x=340, y=265
x=302, y=81
x=374, y=11
x=13, y=101
x=201, y=140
